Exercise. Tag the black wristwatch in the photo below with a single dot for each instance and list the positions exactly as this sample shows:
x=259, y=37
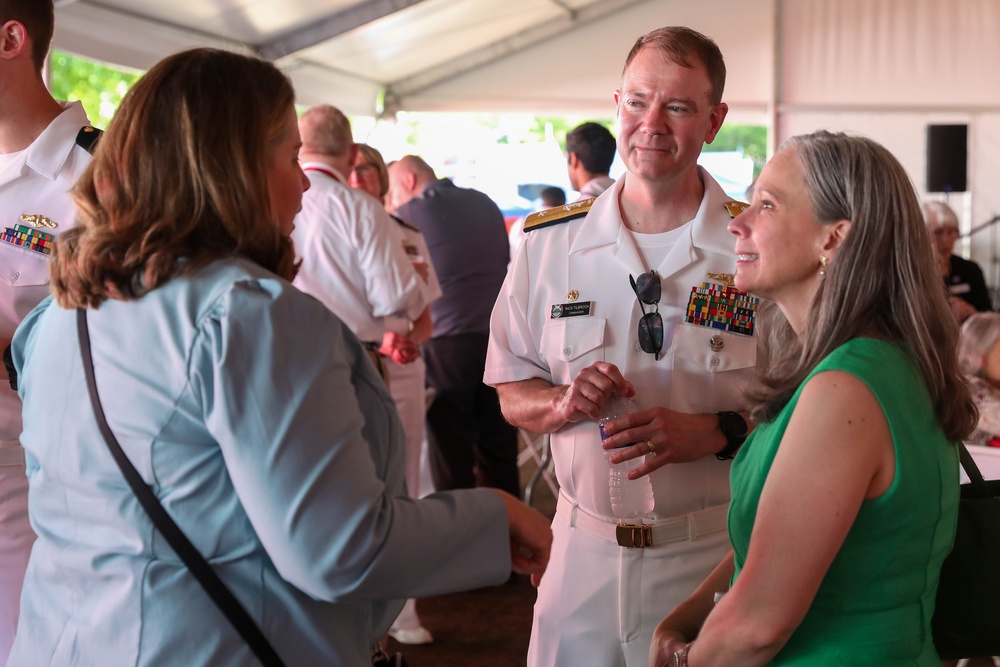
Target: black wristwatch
x=735, y=428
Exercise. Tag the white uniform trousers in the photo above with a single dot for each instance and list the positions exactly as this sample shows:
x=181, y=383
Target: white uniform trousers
x=406, y=384
x=16, y=538
x=573, y=599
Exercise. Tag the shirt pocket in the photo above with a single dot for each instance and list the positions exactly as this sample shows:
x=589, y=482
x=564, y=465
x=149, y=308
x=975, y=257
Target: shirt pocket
x=24, y=280
x=709, y=368
x=22, y=268
x=571, y=344
x=712, y=350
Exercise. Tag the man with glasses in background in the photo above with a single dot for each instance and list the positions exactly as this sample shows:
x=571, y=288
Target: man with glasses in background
x=632, y=295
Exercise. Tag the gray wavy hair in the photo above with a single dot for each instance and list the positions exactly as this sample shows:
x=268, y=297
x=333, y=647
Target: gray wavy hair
x=979, y=334
x=882, y=282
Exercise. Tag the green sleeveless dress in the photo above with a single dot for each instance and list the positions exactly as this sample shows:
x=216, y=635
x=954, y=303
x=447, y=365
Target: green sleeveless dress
x=875, y=603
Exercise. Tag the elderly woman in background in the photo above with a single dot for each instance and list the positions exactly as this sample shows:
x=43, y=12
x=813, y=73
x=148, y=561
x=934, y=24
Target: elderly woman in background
x=845, y=496
x=404, y=366
x=979, y=356
x=963, y=278
x=250, y=410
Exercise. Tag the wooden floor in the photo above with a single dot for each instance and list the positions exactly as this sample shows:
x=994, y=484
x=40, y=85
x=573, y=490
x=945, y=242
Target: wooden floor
x=488, y=627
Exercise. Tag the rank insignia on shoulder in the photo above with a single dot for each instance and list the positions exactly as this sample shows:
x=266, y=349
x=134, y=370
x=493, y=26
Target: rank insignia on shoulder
x=87, y=138
x=405, y=225
x=736, y=207
x=559, y=214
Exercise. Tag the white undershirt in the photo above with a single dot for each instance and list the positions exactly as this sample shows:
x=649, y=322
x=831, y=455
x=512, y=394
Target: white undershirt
x=12, y=160
x=654, y=248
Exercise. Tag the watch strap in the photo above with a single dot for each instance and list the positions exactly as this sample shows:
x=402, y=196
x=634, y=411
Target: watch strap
x=734, y=438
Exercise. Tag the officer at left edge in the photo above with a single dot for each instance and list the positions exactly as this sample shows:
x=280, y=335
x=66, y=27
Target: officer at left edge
x=44, y=147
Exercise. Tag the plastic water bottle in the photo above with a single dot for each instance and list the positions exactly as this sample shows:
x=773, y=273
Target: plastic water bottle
x=630, y=498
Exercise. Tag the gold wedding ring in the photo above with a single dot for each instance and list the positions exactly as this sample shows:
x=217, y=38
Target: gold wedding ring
x=652, y=447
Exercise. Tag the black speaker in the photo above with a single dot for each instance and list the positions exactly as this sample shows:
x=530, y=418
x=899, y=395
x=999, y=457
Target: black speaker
x=946, y=157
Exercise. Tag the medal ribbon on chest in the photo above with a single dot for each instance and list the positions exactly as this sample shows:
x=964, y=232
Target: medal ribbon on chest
x=721, y=307
x=25, y=237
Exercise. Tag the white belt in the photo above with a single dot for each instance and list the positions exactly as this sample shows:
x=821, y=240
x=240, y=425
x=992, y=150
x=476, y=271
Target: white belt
x=11, y=456
x=681, y=528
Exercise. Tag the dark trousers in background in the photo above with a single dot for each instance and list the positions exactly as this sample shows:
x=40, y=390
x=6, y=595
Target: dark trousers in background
x=466, y=428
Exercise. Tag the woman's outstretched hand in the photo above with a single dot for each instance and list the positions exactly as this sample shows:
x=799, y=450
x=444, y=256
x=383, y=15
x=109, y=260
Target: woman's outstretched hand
x=530, y=537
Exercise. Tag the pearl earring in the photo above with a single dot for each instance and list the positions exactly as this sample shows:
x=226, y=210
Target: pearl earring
x=822, y=265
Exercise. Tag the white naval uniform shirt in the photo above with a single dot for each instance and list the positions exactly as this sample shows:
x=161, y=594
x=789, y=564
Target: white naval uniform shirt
x=38, y=184
x=595, y=186
x=353, y=257
x=416, y=250
x=407, y=382
x=594, y=257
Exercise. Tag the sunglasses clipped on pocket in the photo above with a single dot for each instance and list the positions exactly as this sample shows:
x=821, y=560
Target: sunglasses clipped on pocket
x=647, y=291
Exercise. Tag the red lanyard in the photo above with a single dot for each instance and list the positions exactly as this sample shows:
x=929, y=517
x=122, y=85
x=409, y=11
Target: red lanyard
x=323, y=170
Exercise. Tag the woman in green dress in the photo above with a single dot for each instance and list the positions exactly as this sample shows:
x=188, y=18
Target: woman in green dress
x=845, y=495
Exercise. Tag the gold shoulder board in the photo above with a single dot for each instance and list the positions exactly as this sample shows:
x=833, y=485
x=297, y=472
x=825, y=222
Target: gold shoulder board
x=736, y=207
x=87, y=138
x=559, y=214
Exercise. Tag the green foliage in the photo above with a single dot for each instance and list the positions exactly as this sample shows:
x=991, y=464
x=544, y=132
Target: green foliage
x=98, y=86
x=751, y=139
x=559, y=126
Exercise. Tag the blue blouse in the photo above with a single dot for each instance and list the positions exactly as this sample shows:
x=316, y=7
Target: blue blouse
x=265, y=431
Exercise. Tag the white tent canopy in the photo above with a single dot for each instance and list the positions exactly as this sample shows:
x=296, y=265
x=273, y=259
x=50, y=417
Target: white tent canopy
x=537, y=56
x=885, y=68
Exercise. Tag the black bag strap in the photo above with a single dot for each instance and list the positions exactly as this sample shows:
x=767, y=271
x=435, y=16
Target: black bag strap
x=195, y=562
x=979, y=487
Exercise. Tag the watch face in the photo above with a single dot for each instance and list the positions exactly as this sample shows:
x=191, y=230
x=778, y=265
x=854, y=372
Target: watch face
x=733, y=424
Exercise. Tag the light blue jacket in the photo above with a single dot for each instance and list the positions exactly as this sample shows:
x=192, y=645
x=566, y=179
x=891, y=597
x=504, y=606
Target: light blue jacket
x=266, y=433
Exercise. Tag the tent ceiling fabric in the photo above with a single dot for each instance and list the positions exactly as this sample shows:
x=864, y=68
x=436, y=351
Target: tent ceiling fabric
x=534, y=56
x=884, y=68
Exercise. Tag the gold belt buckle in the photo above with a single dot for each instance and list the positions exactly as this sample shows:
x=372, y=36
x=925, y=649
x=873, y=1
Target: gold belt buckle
x=634, y=535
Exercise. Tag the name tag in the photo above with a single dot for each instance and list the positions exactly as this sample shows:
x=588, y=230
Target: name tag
x=571, y=309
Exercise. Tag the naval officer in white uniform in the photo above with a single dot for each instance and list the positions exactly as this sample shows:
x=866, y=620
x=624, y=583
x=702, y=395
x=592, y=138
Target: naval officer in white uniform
x=565, y=334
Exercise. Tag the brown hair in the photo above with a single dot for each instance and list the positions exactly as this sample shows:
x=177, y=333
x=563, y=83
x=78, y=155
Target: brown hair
x=687, y=48
x=179, y=180
x=882, y=282
x=38, y=18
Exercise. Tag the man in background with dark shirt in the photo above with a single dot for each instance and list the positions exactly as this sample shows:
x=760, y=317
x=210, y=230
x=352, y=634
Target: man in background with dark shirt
x=467, y=240
x=590, y=150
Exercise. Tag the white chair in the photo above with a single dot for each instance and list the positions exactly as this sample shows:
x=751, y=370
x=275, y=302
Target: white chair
x=535, y=446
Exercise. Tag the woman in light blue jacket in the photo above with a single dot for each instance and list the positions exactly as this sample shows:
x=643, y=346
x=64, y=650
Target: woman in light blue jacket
x=250, y=410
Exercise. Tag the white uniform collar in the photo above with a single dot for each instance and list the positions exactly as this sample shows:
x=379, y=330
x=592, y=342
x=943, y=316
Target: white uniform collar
x=603, y=225
x=710, y=230
x=49, y=151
